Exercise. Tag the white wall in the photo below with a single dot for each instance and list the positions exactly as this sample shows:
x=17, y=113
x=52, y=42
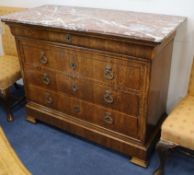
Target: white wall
x=183, y=47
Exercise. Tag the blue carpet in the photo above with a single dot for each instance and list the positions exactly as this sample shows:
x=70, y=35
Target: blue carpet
x=46, y=150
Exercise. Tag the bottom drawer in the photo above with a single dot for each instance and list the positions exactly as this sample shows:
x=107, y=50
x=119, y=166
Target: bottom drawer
x=95, y=114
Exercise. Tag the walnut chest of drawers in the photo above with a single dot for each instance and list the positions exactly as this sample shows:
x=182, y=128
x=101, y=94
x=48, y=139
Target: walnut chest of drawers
x=99, y=74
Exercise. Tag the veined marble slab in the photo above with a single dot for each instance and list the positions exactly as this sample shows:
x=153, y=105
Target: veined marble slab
x=144, y=26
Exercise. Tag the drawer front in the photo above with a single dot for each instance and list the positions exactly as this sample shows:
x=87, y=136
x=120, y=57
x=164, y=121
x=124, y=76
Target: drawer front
x=99, y=94
x=110, y=44
x=40, y=76
x=95, y=114
x=117, y=71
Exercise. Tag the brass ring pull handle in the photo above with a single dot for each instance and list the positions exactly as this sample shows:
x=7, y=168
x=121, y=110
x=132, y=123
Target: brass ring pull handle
x=49, y=99
x=108, y=119
x=76, y=109
x=74, y=88
x=108, y=73
x=46, y=79
x=68, y=38
x=43, y=58
x=108, y=98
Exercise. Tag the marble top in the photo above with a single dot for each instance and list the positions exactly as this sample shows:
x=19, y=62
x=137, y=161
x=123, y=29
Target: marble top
x=144, y=26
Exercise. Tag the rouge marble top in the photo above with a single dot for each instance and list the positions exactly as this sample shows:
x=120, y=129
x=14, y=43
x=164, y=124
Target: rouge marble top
x=144, y=26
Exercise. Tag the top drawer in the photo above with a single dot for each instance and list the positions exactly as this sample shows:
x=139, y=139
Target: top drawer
x=124, y=73
x=132, y=47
